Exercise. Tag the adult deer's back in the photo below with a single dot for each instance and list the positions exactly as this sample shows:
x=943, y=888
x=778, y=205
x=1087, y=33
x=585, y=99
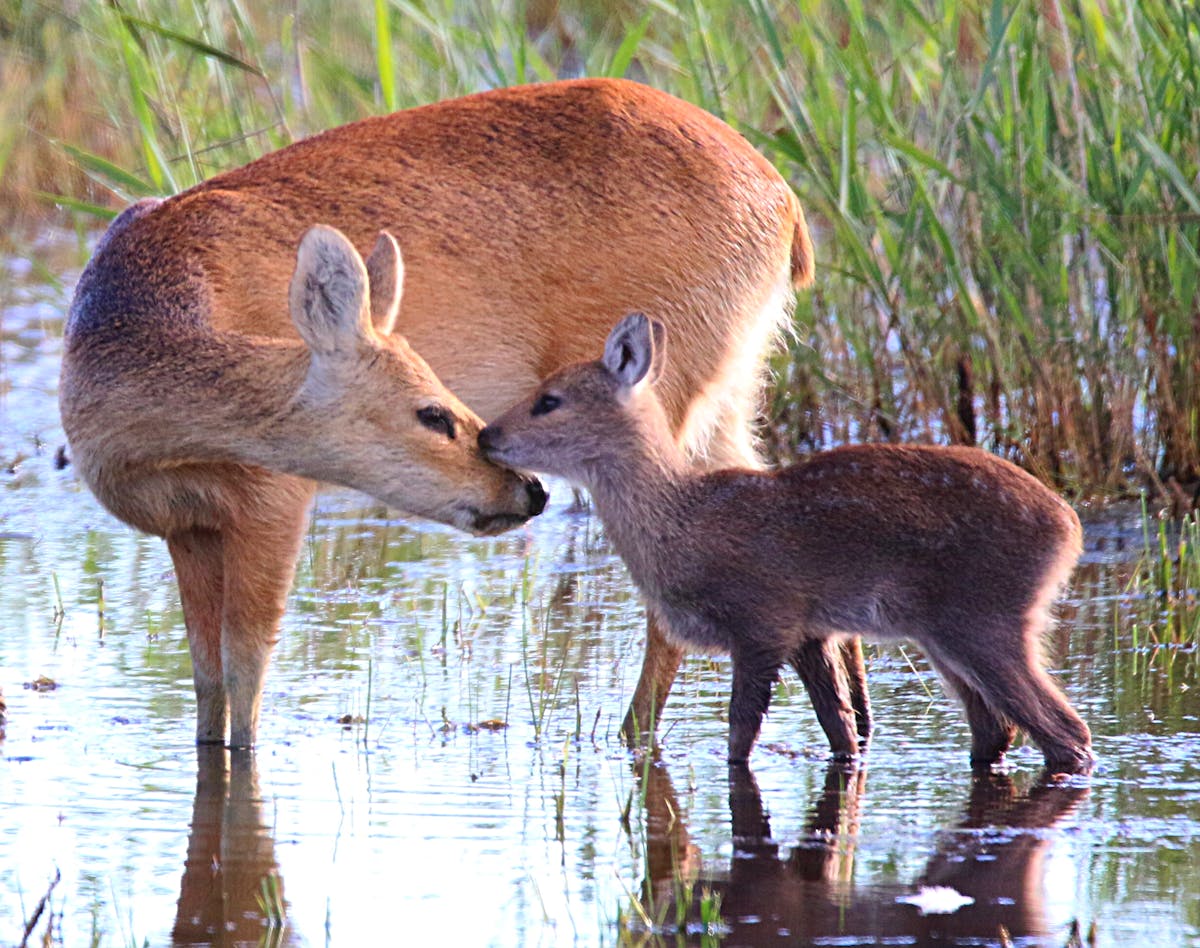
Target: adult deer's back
x=527, y=218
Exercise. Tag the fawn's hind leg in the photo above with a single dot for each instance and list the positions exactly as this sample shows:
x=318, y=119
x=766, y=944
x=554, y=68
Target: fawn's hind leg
x=991, y=734
x=822, y=666
x=1001, y=664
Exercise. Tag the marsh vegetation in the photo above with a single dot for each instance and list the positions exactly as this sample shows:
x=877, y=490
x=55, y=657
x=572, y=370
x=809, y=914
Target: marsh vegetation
x=1003, y=196
x=1005, y=207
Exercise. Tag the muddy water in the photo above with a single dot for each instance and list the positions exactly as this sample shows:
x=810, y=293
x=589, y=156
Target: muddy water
x=386, y=804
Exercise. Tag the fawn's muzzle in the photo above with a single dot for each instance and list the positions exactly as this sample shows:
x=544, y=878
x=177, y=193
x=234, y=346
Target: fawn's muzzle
x=489, y=440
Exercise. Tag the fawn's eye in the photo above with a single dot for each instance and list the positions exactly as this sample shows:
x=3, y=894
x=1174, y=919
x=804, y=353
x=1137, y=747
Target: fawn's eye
x=437, y=419
x=546, y=404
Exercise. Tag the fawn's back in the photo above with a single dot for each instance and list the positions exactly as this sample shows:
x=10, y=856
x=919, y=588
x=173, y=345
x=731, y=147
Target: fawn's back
x=880, y=540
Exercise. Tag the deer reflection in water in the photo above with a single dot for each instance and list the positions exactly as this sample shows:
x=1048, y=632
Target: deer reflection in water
x=230, y=893
x=994, y=859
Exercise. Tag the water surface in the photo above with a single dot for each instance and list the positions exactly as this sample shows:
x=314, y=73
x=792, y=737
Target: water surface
x=387, y=804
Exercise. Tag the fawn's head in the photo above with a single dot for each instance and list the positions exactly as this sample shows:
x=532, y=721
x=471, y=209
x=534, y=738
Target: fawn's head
x=589, y=414
x=388, y=425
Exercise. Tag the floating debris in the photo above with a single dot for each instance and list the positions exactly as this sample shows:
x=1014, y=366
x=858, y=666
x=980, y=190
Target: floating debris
x=937, y=900
x=491, y=724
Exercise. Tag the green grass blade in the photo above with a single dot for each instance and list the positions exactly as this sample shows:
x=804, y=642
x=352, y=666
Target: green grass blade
x=112, y=174
x=628, y=48
x=75, y=204
x=383, y=56
x=135, y=23
x=1167, y=165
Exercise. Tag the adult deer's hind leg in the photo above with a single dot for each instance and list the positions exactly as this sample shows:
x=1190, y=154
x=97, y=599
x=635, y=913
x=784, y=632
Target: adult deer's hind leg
x=261, y=547
x=855, y=669
x=660, y=665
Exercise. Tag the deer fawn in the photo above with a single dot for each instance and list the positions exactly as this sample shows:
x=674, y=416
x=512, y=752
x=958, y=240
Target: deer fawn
x=952, y=548
x=194, y=412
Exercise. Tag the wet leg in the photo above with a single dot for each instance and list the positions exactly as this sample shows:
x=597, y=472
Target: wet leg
x=754, y=676
x=1014, y=688
x=855, y=669
x=660, y=665
x=819, y=663
x=991, y=734
x=260, y=562
x=198, y=555
x=1034, y=703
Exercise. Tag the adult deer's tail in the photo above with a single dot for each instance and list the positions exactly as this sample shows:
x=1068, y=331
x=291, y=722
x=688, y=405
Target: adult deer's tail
x=802, y=248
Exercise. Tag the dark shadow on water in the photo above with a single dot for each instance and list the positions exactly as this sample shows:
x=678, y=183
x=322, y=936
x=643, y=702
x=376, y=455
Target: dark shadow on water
x=772, y=895
x=231, y=886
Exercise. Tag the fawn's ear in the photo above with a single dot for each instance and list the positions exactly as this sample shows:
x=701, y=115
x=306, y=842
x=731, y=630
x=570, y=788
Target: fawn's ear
x=385, y=275
x=635, y=350
x=328, y=294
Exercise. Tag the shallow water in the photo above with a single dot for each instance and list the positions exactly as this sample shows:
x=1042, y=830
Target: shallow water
x=418, y=821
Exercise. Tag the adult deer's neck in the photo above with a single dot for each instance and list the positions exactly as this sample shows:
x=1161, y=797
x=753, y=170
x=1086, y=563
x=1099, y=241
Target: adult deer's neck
x=273, y=421
x=208, y=397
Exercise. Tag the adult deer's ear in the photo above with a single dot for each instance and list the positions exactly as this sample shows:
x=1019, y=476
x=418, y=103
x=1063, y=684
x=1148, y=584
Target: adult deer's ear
x=385, y=274
x=328, y=295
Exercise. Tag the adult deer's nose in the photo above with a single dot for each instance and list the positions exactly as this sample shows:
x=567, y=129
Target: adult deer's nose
x=537, y=496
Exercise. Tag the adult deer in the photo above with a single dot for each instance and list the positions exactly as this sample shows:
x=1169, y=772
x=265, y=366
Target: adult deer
x=952, y=548
x=527, y=217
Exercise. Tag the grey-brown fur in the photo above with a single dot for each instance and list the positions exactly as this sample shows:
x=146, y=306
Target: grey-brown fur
x=952, y=548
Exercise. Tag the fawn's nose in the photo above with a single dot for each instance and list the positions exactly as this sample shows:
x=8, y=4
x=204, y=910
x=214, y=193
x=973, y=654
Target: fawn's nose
x=537, y=496
x=488, y=438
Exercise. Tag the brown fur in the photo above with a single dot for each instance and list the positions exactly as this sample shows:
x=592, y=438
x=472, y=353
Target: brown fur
x=995, y=853
x=231, y=859
x=952, y=548
x=181, y=356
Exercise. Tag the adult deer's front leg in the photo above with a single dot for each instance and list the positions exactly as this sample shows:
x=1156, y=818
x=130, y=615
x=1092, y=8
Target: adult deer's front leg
x=261, y=548
x=659, y=668
x=198, y=555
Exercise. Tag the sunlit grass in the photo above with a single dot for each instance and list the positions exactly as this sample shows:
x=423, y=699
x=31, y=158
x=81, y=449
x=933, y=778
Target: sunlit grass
x=1166, y=583
x=1003, y=195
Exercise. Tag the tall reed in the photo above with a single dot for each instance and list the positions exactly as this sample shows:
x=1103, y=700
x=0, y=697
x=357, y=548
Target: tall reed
x=1004, y=196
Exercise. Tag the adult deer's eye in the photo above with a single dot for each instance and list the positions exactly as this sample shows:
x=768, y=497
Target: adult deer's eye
x=546, y=404
x=437, y=419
